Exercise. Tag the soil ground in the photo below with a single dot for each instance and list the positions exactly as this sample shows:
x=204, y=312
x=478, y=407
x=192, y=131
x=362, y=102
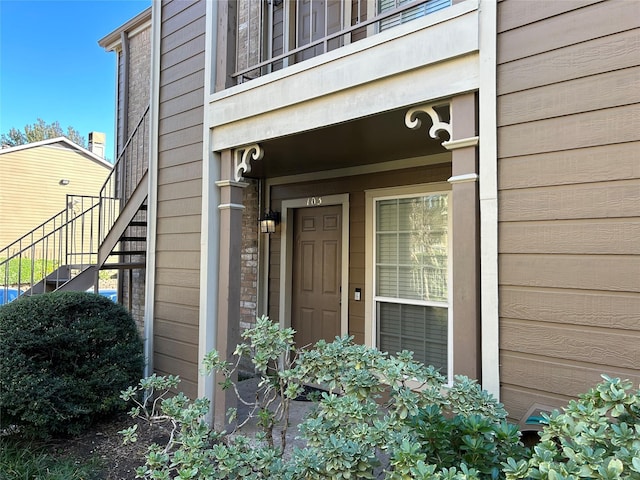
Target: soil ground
x=103, y=445
x=119, y=462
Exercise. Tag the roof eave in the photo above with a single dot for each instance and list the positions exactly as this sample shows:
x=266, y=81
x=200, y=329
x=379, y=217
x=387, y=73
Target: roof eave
x=50, y=141
x=113, y=40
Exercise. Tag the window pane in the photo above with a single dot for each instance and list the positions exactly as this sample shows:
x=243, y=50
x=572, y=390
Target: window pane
x=387, y=248
x=386, y=281
x=387, y=215
x=423, y=330
x=412, y=233
x=405, y=207
x=411, y=14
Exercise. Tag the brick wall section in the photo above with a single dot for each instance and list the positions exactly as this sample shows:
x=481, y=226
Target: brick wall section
x=139, y=75
x=249, y=272
x=140, y=68
x=137, y=295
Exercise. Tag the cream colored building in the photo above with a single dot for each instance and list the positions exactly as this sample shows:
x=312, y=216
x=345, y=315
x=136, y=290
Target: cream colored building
x=37, y=180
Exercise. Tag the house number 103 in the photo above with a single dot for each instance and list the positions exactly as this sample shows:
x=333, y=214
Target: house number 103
x=314, y=201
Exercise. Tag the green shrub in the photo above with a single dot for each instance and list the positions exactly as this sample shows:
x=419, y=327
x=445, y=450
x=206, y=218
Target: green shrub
x=595, y=436
x=373, y=422
x=426, y=429
x=65, y=358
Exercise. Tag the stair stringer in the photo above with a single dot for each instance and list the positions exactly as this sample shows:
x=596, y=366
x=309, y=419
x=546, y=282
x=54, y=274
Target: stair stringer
x=59, y=277
x=127, y=214
x=82, y=281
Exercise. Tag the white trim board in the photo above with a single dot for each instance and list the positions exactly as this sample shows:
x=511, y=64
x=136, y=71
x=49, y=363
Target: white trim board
x=152, y=200
x=488, y=193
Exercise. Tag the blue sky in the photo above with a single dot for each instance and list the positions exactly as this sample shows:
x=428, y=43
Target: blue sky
x=51, y=65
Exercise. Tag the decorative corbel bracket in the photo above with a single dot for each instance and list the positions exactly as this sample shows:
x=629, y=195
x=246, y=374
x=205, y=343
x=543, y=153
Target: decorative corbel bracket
x=412, y=121
x=243, y=156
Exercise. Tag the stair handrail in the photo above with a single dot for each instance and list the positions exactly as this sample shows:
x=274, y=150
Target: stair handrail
x=58, y=247
x=130, y=166
x=54, y=220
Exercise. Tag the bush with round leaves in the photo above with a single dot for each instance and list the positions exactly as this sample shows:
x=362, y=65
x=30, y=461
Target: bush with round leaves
x=382, y=417
x=595, y=436
x=64, y=358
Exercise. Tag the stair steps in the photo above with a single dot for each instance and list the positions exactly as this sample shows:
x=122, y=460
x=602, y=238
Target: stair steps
x=133, y=239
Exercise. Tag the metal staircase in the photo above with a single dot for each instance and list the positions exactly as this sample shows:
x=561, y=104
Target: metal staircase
x=90, y=234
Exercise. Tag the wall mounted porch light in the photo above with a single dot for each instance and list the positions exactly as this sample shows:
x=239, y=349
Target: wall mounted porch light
x=269, y=221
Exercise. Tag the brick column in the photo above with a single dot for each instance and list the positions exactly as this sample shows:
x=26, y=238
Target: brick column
x=227, y=331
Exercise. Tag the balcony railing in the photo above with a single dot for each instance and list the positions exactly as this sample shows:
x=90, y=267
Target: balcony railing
x=274, y=34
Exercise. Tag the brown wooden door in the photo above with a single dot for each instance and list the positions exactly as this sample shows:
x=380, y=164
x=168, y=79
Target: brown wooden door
x=317, y=247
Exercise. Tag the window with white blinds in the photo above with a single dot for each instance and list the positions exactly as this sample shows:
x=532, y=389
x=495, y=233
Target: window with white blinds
x=411, y=276
x=418, y=11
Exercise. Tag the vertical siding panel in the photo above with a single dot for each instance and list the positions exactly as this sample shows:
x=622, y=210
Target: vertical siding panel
x=555, y=146
x=180, y=139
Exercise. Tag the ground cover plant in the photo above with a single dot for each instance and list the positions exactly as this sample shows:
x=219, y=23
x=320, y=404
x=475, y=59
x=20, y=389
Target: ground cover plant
x=65, y=358
x=458, y=436
x=28, y=461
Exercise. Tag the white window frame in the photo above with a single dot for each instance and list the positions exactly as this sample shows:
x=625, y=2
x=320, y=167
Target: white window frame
x=371, y=326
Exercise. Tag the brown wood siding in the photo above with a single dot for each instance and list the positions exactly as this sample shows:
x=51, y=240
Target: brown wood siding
x=569, y=195
x=355, y=186
x=30, y=192
x=177, y=288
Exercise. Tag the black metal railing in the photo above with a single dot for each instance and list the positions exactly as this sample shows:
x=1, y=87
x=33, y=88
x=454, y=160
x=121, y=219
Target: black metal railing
x=53, y=252
x=131, y=165
x=68, y=243
x=264, y=27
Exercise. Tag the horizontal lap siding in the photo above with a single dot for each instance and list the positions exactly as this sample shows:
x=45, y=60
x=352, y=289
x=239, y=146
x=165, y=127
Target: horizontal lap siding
x=177, y=286
x=569, y=197
x=30, y=192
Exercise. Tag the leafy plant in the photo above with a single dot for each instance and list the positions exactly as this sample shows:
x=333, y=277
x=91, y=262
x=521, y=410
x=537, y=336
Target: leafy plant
x=66, y=356
x=371, y=422
x=595, y=436
x=424, y=427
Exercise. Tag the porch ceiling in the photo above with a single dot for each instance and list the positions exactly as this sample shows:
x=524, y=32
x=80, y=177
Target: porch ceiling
x=375, y=139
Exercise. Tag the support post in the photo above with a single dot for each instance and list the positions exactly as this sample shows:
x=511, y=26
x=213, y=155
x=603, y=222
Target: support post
x=466, y=236
x=230, y=234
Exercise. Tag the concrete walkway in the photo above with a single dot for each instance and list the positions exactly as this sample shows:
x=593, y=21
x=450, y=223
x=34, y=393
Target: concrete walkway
x=297, y=411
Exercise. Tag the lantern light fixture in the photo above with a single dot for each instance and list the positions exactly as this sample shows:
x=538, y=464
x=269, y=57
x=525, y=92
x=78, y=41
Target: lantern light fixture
x=269, y=221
